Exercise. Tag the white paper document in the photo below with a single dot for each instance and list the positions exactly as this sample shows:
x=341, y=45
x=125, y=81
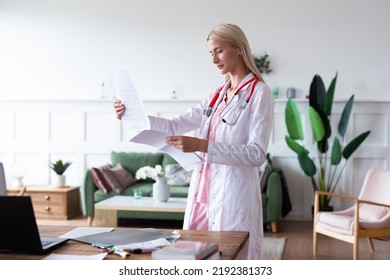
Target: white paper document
x=55, y=256
x=83, y=231
x=156, y=139
x=155, y=243
x=134, y=116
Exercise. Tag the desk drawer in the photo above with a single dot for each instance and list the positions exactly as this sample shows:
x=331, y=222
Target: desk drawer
x=49, y=211
x=47, y=198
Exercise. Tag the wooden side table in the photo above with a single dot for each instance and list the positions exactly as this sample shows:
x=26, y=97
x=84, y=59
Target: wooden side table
x=54, y=203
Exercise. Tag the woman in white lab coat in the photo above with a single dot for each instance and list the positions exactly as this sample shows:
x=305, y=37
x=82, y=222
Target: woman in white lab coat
x=234, y=128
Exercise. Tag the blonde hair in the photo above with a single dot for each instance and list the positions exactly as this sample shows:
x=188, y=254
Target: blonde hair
x=233, y=35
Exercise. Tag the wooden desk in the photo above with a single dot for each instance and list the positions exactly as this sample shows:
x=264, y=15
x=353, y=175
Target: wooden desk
x=230, y=244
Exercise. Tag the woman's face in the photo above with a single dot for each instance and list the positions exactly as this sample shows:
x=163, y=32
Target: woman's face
x=225, y=57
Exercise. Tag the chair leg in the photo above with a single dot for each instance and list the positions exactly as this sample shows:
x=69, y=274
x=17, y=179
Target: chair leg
x=356, y=249
x=370, y=244
x=315, y=220
x=274, y=227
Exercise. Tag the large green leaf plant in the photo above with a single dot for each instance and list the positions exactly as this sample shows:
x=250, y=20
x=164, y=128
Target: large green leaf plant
x=331, y=160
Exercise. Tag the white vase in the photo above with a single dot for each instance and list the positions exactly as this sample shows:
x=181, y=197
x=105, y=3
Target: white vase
x=161, y=189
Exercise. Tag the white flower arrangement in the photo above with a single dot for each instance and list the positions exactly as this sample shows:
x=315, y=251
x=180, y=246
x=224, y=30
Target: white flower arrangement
x=149, y=172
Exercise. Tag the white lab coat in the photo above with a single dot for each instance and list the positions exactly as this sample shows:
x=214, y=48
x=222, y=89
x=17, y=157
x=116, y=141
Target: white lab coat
x=238, y=151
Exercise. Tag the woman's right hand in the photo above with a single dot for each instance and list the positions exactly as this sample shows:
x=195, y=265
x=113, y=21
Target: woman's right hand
x=119, y=108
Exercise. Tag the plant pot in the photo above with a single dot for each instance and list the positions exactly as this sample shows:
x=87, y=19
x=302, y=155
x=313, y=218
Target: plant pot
x=59, y=181
x=161, y=190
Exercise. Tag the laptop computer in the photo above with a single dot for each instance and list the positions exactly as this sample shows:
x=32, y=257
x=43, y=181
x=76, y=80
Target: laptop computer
x=19, y=231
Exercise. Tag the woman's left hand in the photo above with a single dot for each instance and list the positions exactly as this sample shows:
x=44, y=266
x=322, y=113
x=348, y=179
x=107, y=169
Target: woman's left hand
x=188, y=144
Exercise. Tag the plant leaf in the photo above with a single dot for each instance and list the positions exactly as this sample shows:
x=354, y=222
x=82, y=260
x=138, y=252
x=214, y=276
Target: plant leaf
x=354, y=144
x=323, y=144
x=329, y=97
x=343, y=123
x=336, y=152
x=293, y=121
x=307, y=164
x=59, y=167
x=293, y=145
x=316, y=124
x=317, y=92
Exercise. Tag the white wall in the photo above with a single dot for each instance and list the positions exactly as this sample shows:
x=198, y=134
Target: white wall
x=62, y=49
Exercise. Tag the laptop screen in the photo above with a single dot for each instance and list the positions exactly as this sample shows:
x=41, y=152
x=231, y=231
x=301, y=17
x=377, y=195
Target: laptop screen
x=19, y=230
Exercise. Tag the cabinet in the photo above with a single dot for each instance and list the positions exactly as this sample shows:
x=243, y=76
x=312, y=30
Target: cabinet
x=54, y=203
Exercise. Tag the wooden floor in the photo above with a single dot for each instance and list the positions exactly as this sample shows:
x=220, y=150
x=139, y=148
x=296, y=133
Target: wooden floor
x=299, y=240
x=299, y=244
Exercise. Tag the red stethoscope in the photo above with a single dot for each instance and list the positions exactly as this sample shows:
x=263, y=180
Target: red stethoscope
x=207, y=112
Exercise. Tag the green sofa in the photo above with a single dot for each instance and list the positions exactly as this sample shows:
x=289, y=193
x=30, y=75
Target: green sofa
x=131, y=161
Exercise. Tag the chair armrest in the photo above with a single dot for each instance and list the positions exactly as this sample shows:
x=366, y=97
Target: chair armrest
x=359, y=201
x=317, y=201
x=342, y=196
x=87, y=195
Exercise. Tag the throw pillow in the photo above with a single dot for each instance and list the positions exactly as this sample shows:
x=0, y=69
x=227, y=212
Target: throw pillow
x=98, y=178
x=108, y=178
x=177, y=175
x=119, y=178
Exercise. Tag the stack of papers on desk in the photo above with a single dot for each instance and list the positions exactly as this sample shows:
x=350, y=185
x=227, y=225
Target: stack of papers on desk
x=83, y=231
x=187, y=250
x=124, y=237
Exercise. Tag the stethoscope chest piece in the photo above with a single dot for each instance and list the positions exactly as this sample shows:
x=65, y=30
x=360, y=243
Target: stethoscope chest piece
x=208, y=112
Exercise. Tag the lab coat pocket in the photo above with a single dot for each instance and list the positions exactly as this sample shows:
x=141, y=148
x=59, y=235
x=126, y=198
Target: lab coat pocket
x=239, y=196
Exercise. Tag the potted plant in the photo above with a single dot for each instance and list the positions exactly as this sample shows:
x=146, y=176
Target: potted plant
x=329, y=158
x=59, y=167
x=262, y=63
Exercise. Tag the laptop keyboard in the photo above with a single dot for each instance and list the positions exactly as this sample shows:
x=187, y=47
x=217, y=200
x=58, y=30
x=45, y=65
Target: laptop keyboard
x=45, y=243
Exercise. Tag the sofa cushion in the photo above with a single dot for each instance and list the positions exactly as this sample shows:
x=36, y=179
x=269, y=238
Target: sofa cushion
x=108, y=178
x=177, y=175
x=99, y=179
x=133, y=161
x=121, y=177
x=178, y=191
x=146, y=188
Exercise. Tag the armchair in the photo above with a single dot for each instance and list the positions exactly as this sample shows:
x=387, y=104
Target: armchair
x=369, y=217
x=274, y=194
